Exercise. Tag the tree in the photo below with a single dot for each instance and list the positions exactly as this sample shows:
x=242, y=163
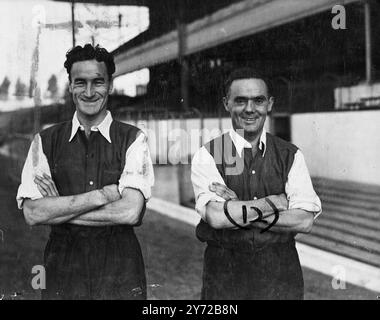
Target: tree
x=21, y=89
x=53, y=87
x=4, y=89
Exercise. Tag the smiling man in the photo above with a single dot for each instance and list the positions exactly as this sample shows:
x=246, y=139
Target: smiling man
x=254, y=194
x=89, y=179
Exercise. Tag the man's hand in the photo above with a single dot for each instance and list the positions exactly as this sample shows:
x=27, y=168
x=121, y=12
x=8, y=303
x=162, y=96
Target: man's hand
x=111, y=192
x=222, y=191
x=46, y=186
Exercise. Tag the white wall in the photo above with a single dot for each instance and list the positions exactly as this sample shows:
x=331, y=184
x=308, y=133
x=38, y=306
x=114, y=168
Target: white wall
x=336, y=145
x=340, y=145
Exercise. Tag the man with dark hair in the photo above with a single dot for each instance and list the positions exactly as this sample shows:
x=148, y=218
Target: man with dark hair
x=89, y=179
x=254, y=194
x=88, y=52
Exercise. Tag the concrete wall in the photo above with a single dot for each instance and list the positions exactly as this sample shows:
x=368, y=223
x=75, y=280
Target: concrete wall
x=355, y=93
x=340, y=145
x=336, y=145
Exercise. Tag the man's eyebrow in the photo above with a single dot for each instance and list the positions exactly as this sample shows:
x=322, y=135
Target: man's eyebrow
x=250, y=97
x=94, y=79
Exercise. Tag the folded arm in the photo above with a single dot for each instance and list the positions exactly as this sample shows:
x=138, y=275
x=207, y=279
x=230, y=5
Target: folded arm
x=96, y=208
x=297, y=210
x=55, y=209
x=113, y=204
x=293, y=220
x=129, y=209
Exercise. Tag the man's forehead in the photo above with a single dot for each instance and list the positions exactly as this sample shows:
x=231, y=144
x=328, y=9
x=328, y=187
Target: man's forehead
x=249, y=86
x=88, y=68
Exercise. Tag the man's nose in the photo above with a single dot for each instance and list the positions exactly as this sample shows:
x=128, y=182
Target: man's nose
x=250, y=107
x=89, y=92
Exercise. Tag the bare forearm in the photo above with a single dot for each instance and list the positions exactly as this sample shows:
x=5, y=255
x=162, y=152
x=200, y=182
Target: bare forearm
x=127, y=210
x=88, y=223
x=216, y=217
x=54, y=210
x=105, y=217
x=293, y=220
x=58, y=220
x=99, y=217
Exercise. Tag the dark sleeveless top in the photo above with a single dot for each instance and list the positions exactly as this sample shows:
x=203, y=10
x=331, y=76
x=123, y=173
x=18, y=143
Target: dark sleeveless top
x=269, y=178
x=85, y=262
x=83, y=165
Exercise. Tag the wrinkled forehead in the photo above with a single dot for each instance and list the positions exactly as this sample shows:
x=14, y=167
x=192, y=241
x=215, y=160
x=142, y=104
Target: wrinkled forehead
x=250, y=87
x=88, y=69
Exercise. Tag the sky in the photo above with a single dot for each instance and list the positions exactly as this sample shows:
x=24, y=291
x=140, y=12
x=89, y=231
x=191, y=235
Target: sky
x=20, y=21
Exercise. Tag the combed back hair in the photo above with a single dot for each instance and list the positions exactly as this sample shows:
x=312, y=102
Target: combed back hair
x=89, y=52
x=245, y=73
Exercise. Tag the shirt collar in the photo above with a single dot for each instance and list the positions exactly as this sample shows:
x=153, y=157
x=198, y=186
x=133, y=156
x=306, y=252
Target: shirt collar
x=103, y=127
x=240, y=143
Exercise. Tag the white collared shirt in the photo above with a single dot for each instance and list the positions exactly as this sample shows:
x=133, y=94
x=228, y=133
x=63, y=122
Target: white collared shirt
x=103, y=127
x=240, y=143
x=298, y=188
x=137, y=156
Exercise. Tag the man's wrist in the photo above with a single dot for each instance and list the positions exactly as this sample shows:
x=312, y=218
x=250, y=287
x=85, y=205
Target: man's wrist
x=99, y=197
x=265, y=207
x=228, y=216
x=260, y=204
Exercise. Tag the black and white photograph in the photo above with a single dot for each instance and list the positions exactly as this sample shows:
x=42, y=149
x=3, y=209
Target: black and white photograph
x=189, y=150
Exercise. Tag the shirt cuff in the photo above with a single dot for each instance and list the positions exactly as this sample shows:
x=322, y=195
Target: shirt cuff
x=203, y=200
x=20, y=200
x=25, y=192
x=316, y=209
x=139, y=183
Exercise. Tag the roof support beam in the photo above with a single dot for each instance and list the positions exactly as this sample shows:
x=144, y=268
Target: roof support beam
x=368, y=41
x=238, y=20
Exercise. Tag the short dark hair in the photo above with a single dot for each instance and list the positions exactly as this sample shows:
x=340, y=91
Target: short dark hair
x=89, y=52
x=245, y=73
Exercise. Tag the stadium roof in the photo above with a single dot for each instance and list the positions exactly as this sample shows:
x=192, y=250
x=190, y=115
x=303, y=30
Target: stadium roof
x=208, y=24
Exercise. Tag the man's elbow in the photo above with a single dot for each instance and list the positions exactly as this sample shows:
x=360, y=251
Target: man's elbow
x=214, y=219
x=133, y=218
x=32, y=214
x=307, y=224
x=29, y=215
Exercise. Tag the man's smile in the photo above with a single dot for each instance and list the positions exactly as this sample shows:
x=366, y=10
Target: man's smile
x=249, y=119
x=94, y=100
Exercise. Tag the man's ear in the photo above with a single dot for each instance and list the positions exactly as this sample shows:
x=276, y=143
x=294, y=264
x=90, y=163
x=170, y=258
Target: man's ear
x=270, y=105
x=110, y=87
x=225, y=103
x=70, y=89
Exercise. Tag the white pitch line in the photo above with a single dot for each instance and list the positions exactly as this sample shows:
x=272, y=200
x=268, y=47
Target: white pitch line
x=175, y=211
x=356, y=272
x=328, y=263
